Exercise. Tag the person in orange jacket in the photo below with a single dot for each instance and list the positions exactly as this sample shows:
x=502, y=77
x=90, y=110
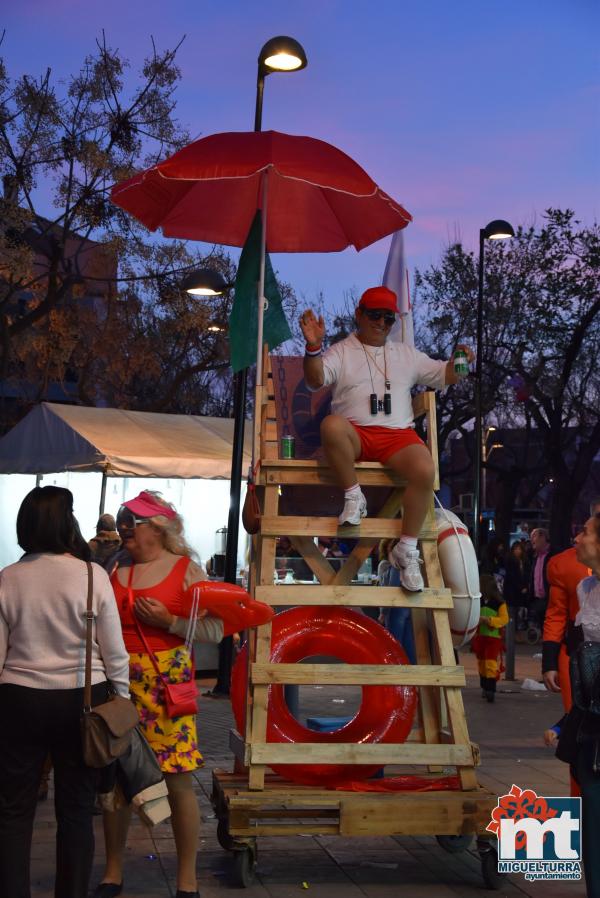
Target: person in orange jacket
x=564, y=573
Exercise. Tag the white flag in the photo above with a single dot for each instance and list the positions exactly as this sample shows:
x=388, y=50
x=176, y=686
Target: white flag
x=395, y=277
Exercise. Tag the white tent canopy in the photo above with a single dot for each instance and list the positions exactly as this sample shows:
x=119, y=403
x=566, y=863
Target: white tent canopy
x=119, y=443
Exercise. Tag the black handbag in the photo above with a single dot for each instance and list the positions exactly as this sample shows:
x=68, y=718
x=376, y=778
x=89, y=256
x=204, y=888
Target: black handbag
x=582, y=723
x=568, y=744
x=105, y=729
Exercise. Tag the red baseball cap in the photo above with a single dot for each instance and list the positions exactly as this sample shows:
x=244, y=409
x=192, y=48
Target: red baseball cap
x=379, y=298
x=146, y=506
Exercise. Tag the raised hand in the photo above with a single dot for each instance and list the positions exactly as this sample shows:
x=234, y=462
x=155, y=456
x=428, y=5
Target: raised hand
x=313, y=328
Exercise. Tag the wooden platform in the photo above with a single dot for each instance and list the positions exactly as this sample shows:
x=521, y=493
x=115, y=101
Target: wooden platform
x=256, y=802
x=284, y=808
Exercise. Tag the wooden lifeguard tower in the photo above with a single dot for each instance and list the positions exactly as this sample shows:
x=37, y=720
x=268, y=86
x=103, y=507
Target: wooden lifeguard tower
x=255, y=802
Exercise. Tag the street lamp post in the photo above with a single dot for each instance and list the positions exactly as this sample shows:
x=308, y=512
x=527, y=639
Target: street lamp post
x=279, y=54
x=485, y=453
x=495, y=230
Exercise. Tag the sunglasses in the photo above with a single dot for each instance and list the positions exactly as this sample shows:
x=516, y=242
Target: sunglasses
x=376, y=314
x=126, y=520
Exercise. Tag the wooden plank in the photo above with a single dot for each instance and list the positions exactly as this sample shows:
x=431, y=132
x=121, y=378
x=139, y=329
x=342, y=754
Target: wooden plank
x=445, y=652
x=323, y=476
x=315, y=560
x=457, y=814
x=350, y=753
x=343, y=594
x=267, y=546
x=359, y=674
x=314, y=464
x=285, y=829
x=369, y=528
x=256, y=709
x=427, y=708
x=282, y=811
x=287, y=795
x=421, y=403
x=270, y=429
x=432, y=441
x=258, y=733
x=354, y=562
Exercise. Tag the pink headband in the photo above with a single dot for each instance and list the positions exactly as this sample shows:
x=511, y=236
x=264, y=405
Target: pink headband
x=147, y=506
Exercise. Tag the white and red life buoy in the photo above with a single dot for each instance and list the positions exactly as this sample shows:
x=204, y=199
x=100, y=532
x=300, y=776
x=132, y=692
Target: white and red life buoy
x=460, y=573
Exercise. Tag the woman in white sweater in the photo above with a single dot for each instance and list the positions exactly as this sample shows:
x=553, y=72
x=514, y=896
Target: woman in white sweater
x=42, y=658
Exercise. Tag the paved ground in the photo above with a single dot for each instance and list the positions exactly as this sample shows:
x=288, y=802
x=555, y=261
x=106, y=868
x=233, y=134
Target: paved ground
x=509, y=733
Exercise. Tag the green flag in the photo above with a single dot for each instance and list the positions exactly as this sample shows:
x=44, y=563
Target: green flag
x=243, y=325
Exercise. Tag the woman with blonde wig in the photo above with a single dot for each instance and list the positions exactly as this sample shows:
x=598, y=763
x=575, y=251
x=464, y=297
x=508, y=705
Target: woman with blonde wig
x=154, y=590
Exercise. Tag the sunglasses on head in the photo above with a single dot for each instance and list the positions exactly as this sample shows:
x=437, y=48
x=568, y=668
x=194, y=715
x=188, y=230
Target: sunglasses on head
x=376, y=314
x=126, y=520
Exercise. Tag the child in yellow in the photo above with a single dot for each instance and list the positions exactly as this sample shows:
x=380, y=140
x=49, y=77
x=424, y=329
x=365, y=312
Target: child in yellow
x=487, y=644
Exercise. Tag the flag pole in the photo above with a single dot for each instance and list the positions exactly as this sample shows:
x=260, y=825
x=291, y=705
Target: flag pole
x=395, y=277
x=261, y=280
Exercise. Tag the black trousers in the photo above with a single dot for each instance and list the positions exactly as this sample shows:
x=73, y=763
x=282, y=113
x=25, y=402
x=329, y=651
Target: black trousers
x=488, y=683
x=589, y=783
x=33, y=724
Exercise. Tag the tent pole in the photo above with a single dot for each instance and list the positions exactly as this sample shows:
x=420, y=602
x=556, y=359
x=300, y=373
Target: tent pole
x=102, y=494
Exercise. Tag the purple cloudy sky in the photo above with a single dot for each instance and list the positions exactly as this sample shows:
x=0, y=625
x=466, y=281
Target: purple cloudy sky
x=463, y=112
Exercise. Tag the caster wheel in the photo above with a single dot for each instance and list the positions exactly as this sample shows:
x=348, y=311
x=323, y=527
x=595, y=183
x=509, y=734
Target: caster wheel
x=489, y=870
x=226, y=841
x=244, y=867
x=454, y=844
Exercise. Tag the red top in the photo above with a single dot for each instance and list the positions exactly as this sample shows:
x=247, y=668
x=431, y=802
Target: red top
x=564, y=573
x=170, y=592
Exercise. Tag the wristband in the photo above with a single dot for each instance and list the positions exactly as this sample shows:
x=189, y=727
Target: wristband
x=311, y=347
x=312, y=352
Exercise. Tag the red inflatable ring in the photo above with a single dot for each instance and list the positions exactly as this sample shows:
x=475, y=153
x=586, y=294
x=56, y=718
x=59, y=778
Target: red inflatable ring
x=385, y=714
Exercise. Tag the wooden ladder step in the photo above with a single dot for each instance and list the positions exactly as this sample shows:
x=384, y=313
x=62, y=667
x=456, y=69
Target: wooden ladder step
x=369, y=528
x=367, y=596
x=313, y=472
x=359, y=674
x=360, y=753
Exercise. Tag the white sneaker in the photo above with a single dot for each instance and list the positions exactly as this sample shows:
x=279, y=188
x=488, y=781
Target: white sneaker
x=408, y=562
x=355, y=508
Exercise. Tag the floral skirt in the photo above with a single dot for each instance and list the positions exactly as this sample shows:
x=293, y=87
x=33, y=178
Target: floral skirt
x=174, y=740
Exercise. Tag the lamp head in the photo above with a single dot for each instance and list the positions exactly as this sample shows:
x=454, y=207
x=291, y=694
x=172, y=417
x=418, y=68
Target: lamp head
x=498, y=230
x=282, y=54
x=204, y=282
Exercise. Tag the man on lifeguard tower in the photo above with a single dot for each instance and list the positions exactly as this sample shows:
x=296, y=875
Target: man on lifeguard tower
x=372, y=417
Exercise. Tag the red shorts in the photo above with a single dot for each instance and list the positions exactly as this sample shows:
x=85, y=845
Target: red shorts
x=380, y=443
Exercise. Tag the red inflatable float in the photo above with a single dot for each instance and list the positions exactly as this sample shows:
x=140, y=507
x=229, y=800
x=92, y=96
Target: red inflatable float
x=236, y=608
x=385, y=714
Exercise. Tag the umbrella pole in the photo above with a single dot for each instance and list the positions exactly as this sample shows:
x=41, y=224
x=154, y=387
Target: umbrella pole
x=261, y=282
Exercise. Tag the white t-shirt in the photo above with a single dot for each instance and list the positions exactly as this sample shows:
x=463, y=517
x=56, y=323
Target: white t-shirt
x=355, y=371
x=43, y=600
x=588, y=616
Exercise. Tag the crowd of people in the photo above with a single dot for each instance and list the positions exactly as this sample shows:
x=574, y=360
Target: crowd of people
x=521, y=575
